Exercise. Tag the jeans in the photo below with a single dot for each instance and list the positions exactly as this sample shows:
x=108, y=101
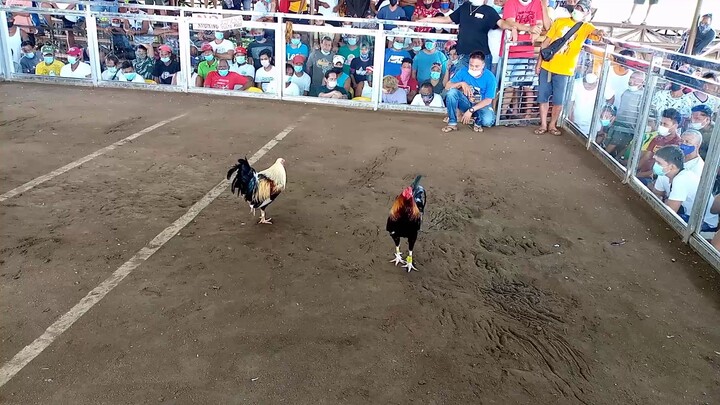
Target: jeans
x=455, y=99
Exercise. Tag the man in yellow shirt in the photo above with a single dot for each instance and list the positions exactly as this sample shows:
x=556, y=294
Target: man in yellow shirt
x=555, y=73
x=49, y=65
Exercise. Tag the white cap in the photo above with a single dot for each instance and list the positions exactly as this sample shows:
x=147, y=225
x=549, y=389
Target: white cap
x=591, y=78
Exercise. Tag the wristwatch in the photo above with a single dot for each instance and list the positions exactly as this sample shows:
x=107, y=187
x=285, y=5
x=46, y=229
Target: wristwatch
x=472, y=110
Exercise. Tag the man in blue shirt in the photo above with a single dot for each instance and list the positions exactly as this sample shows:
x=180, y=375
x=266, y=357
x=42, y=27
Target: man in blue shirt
x=394, y=57
x=393, y=12
x=423, y=61
x=471, y=91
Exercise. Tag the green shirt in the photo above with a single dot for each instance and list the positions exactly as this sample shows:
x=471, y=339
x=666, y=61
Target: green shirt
x=346, y=52
x=204, y=68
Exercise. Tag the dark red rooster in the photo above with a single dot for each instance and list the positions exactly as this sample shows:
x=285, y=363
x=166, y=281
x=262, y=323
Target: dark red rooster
x=405, y=220
x=258, y=189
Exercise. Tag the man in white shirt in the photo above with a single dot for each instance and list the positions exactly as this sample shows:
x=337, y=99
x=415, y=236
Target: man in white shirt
x=619, y=76
x=683, y=185
x=222, y=48
x=75, y=68
x=128, y=74
x=427, y=98
x=299, y=77
x=583, y=102
x=241, y=66
x=291, y=89
x=690, y=146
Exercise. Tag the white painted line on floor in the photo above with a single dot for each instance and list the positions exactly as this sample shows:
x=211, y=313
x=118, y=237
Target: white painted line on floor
x=29, y=352
x=42, y=179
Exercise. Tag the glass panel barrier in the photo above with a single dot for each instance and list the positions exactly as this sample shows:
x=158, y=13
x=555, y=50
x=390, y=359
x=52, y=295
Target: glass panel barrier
x=584, y=91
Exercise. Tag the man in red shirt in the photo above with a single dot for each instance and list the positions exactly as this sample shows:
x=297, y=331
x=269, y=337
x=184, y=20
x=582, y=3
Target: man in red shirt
x=667, y=135
x=406, y=81
x=423, y=11
x=224, y=79
x=521, y=58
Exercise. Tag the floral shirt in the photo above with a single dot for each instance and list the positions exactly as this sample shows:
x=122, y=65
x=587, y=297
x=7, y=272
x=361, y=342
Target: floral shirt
x=663, y=100
x=422, y=12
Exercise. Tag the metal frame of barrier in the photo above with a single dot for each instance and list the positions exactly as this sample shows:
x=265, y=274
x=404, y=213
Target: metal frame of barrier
x=188, y=16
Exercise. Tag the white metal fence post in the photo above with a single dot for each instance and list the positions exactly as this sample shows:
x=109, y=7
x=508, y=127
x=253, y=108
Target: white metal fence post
x=93, y=45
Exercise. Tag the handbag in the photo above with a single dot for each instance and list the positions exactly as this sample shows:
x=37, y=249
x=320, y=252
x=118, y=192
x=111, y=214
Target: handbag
x=548, y=53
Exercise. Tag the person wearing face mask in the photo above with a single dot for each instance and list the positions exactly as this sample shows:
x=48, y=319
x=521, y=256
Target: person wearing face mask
x=49, y=65
x=331, y=89
x=619, y=75
x=453, y=62
x=394, y=57
x=698, y=97
x=667, y=135
x=393, y=12
x=704, y=36
x=475, y=20
x=224, y=79
x=582, y=102
x=677, y=185
x=30, y=58
x=423, y=61
x=167, y=67
x=436, y=78
x=319, y=63
x=471, y=91
x=223, y=48
x=701, y=121
x=207, y=64
x=349, y=51
x=554, y=74
x=75, y=68
x=427, y=97
x=128, y=73
x=259, y=44
x=296, y=47
x=112, y=71
x=267, y=72
x=241, y=66
x=299, y=77
x=289, y=88
x=607, y=117
x=425, y=9
x=358, y=69
x=406, y=81
x=143, y=62
x=416, y=46
x=623, y=128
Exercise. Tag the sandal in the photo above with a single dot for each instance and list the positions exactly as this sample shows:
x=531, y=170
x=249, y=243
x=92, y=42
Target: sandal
x=449, y=128
x=446, y=119
x=477, y=128
x=540, y=131
x=555, y=131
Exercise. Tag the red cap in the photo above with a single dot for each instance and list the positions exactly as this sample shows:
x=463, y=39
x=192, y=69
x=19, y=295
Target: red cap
x=165, y=48
x=74, y=51
x=298, y=59
x=206, y=47
x=241, y=50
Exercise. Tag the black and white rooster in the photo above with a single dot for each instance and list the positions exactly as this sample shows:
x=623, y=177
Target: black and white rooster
x=258, y=189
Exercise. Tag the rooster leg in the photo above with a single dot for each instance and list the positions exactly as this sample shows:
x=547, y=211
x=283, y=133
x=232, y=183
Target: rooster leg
x=252, y=209
x=398, y=256
x=409, y=260
x=264, y=220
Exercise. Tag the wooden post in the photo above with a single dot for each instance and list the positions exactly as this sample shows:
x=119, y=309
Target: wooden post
x=693, y=28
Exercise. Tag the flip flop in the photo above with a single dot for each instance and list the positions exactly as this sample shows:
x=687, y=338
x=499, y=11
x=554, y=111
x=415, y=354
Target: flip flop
x=540, y=131
x=449, y=128
x=446, y=120
x=477, y=128
x=555, y=132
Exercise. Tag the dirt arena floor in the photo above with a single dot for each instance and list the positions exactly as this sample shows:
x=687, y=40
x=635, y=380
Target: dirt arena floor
x=520, y=297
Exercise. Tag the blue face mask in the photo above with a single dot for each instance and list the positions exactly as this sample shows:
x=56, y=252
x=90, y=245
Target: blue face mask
x=444, y=6
x=30, y=55
x=352, y=41
x=295, y=41
x=398, y=45
x=298, y=68
x=219, y=35
x=435, y=75
x=130, y=76
x=687, y=149
x=165, y=59
x=209, y=58
x=417, y=48
x=259, y=37
x=72, y=60
x=498, y=9
x=364, y=56
x=658, y=170
x=429, y=45
x=49, y=60
x=241, y=60
x=605, y=123
x=112, y=69
x=223, y=72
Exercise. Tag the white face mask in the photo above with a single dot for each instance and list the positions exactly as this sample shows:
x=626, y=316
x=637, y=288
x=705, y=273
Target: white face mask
x=475, y=73
x=476, y=2
x=578, y=15
x=331, y=84
x=695, y=125
x=663, y=131
x=265, y=63
x=634, y=88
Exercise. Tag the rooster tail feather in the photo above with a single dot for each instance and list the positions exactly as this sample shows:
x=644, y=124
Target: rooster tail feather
x=416, y=182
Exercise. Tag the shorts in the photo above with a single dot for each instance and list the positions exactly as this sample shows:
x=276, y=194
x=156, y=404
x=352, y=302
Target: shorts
x=620, y=137
x=555, y=87
x=521, y=71
x=652, y=2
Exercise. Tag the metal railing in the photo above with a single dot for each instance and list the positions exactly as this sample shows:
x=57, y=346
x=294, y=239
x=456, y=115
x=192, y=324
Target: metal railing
x=517, y=85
